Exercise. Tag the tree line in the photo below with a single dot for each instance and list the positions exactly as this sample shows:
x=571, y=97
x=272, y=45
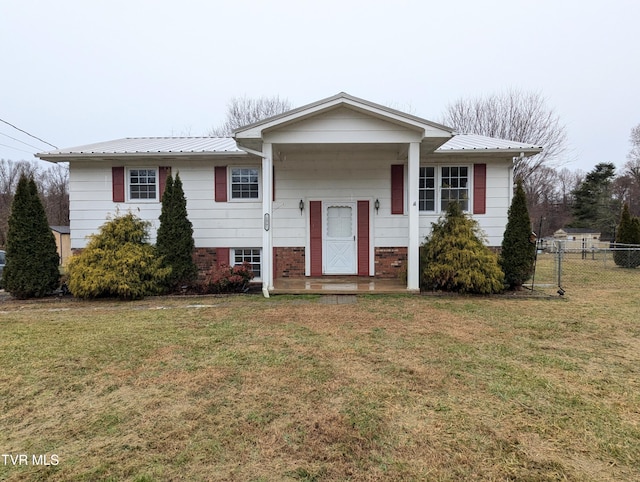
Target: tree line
x=52, y=183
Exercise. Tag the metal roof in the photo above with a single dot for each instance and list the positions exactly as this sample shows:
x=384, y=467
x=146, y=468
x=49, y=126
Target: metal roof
x=151, y=145
x=136, y=146
x=474, y=142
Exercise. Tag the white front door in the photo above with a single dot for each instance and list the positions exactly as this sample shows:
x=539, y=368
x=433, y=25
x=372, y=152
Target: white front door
x=339, y=238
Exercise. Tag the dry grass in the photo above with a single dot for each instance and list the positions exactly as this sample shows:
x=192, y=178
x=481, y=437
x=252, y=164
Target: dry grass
x=389, y=388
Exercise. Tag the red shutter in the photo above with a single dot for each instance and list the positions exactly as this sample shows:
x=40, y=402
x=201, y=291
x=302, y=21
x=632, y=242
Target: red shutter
x=479, y=188
x=397, y=189
x=315, y=218
x=221, y=184
x=222, y=256
x=117, y=184
x=363, y=238
x=163, y=173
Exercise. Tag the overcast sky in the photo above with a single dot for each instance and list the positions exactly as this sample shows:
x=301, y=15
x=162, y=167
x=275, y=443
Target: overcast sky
x=75, y=72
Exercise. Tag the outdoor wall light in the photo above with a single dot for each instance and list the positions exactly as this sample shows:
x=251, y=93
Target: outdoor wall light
x=376, y=205
x=301, y=206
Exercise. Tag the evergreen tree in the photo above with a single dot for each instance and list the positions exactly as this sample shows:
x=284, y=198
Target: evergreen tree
x=628, y=232
x=118, y=261
x=32, y=268
x=174, y=242
x=518, y=253
x=454, y=258
x=594, y=206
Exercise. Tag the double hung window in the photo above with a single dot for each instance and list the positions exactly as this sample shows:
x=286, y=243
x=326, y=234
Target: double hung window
x=453, y=186
x=248, y=255
x=143, y=184
x=245, y=183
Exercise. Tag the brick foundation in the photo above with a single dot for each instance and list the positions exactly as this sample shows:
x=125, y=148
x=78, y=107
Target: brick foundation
x=205, y=259
x=390, y=262
x=289, y=262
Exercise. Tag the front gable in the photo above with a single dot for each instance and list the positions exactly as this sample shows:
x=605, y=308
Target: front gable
x=343, y=119
x=342, y=125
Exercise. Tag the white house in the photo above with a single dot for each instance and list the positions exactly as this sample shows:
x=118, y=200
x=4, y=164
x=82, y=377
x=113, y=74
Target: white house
x=342, y=186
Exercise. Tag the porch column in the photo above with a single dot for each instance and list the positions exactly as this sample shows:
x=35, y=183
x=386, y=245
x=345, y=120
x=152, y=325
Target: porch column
x=267, y=218
x=413, y=251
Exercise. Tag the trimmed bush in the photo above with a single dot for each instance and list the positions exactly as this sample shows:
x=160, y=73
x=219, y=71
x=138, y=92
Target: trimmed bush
x=454, y=258
x=32, y=265
x=118, y=262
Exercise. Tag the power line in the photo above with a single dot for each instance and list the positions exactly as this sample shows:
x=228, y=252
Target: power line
x=18, y=140
x=15, y=148
x=30, y=135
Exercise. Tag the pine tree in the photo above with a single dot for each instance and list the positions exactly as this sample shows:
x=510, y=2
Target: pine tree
x=628, y=232
x=454, y=258
x=174, y=242
x=32, y=268
x=518, y=253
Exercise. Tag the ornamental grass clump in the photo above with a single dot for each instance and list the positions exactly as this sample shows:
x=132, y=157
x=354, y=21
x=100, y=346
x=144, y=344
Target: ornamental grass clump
x=454, y=258
x=118, y=262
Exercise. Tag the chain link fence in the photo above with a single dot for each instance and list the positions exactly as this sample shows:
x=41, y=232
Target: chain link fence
x=560, y=269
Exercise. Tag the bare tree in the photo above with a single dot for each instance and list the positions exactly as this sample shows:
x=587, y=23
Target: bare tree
x=242, y=111
x=515, y=116
x=54, y=187
x=10, y=172
x=631, y=174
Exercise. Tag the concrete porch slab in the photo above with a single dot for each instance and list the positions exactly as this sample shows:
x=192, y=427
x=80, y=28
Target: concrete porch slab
x=339, y=285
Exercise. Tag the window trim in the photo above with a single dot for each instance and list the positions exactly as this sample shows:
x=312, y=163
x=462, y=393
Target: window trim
x=230, y=197
x=438, y=187
x=127, y=180
x=232, y=259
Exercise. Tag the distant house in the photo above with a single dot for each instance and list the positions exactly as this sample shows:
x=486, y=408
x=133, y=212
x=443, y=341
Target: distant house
x=579, y=238
x=342, y=186
x=62, y=235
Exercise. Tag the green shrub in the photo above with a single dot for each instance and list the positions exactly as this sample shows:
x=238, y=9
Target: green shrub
x=118, y=262
x=454, y=258
x=31, y=269
x=518, y=252
x=174, y=242
x=628, y=232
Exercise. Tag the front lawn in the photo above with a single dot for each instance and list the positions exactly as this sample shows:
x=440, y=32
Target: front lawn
x=287, y=388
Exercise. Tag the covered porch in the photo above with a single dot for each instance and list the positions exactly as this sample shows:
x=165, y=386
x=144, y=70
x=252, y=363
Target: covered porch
x=347, y=177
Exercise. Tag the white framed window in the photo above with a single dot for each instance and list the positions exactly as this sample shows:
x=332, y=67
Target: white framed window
x=244, y=183
x=453, y=183
x=427, y=190
x=454, y=187
x=142, y=184
x=248, y=255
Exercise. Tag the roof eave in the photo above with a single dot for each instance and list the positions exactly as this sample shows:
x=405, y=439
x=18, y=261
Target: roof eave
x=64, y=157
x=531, y=151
